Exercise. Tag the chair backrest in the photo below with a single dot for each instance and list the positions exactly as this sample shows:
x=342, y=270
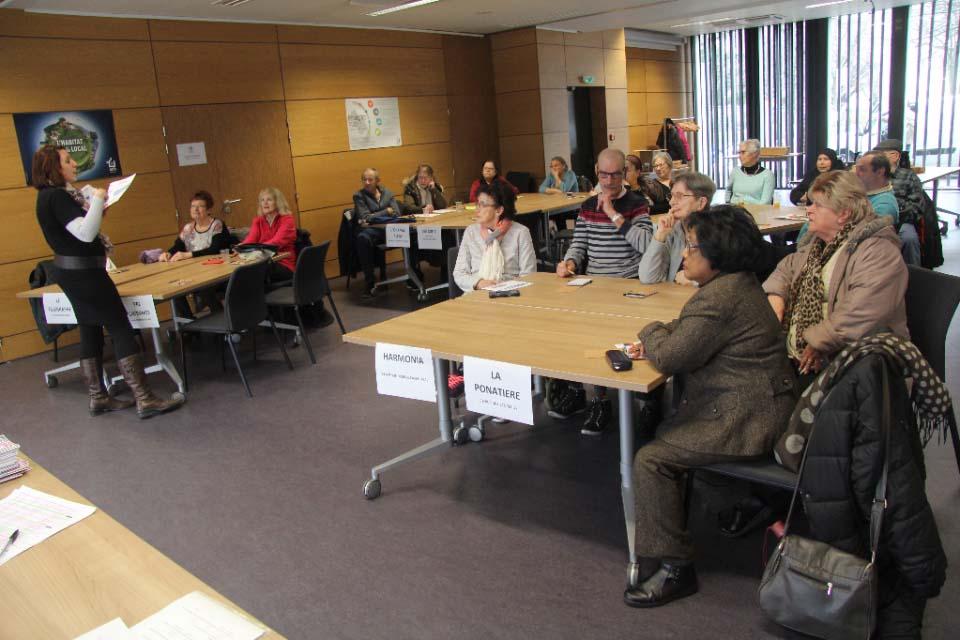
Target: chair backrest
x=522, y=180
x=453, y=291
x=584, y=184
x=310, y=278
x=932, y=299
x=245, y=303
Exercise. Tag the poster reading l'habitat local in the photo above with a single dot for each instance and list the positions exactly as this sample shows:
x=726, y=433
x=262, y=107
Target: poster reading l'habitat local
x=87, y=135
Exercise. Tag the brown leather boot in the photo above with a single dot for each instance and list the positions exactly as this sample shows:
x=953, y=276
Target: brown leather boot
x=100, y=400
x=148, y=404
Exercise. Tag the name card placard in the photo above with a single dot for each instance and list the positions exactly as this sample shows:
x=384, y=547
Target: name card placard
x=405, y=372
x=141, y=311
x=498, y=389
x=429, y=237
x=57, y=308
x=398, y=235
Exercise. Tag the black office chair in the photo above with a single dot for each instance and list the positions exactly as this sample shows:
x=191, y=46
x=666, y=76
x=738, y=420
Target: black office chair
x=244, y=308
x=309, y=285
x=522, y=180
x=932, y=300
x=584, y=184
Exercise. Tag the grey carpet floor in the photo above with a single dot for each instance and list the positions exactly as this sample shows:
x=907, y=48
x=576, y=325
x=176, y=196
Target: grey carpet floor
x=520, y=536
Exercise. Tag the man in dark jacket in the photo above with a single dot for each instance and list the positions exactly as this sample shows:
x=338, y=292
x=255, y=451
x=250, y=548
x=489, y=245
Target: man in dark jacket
x=372, y=200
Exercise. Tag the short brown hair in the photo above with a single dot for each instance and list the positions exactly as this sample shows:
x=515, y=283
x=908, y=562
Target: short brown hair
x=205, y=197
x=843, y=191
x=45, y=171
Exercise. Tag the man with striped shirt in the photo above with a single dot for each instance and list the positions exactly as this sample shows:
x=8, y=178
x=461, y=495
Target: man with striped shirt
x=612, y=232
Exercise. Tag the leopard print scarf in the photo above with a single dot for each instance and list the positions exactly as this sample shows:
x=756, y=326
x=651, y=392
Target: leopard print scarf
x=805, y=307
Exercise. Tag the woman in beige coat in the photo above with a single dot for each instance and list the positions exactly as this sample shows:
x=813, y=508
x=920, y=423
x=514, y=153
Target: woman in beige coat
x=846, y=282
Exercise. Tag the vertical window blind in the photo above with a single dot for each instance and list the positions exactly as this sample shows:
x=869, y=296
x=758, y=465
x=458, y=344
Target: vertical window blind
x=782, y=106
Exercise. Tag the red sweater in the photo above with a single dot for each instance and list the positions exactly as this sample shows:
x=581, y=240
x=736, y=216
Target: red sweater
x=282, y=233
x=476, y=185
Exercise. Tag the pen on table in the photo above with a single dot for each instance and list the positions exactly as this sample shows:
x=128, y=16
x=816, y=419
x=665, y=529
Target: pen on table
x=10, y=541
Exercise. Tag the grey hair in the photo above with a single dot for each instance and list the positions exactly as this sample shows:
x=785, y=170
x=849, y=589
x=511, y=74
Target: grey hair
x=753, y=145
x=364, y=172
x=700, y=185
x=661, y=154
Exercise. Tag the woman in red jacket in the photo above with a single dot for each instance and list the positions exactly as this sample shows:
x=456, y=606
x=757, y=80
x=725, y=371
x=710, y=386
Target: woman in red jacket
x=276, y=226
x=488, y=175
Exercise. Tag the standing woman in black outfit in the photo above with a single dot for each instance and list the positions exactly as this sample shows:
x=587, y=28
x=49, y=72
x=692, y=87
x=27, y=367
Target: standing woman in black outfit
x=73, y=234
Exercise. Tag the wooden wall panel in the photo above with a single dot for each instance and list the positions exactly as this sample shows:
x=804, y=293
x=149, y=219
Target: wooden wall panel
x=331, y=179
x=614, y=39
x=320, y=126
x=99, y=83
x=617, y=108
x=22, y=239
x=322, y=71
x=636, y=75
x=516, y=38
x=548, y=36
x=523, y=153
x=592, y=39
x=15, y=315
x=644, y=136
x=11, y=168
x=614, y=69
x=146, y=211
x=584, y=61
x=552, y=66
x=129, y=252
x=518, y=112
x=516, y=69
x=323, y=224
x=664, y=105
x=140, y=140
x=554, y=110
x=14, y=22
x=663, y=76
x=29, y=343
x=357, y=37
x=192, y=31
x=208, y=73
x=636, y=109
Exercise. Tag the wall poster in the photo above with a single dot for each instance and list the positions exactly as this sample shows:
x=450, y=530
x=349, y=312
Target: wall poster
x=373, y=123
x=88, y=136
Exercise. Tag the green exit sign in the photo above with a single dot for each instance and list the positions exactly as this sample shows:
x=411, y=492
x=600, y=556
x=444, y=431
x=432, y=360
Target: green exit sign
x=587, y=79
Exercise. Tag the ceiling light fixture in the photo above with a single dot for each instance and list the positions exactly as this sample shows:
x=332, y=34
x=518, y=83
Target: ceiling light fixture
x=692, y=24
x=827, y=4
x=402, y=7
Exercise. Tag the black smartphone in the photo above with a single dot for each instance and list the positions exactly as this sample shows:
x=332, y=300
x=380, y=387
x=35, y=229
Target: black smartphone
x=618, y=360
x=513, y=293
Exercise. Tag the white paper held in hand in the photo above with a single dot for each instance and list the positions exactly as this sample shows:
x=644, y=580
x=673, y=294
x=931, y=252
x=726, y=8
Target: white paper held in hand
x=499, y=389
x=197, y=616
x=405, y=372
x=117, y=188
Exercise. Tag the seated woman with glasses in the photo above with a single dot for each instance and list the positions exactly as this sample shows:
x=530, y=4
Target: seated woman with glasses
x=751, y=182
x=738, y=393
x=560, y=179
x=493, y=248
x=657, y=187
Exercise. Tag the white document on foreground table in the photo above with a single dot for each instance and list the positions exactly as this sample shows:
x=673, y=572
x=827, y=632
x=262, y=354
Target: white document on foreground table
x=499, y=389
x=113, y=630
x=508, y=285
x=38, y=516
x=196, y=616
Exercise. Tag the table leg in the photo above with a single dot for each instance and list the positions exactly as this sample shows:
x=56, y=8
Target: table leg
x=626, y=479
x=371, y=488
x=164, y=362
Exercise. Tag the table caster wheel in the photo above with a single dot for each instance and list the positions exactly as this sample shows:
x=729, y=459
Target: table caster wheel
x=52, y=382
x=371, y=489
x=422, y=297
x=475, y=433
x=633, y=574
x=461, y=434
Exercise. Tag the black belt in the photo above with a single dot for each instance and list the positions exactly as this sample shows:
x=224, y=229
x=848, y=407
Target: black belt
x=80, y=262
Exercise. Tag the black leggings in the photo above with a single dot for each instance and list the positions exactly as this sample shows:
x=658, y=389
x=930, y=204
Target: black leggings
x=91, y=340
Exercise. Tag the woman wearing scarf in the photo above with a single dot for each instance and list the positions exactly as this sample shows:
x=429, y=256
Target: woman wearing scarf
x=847, y=281
x=751, y=182
x=494, y=248
x=827, y=160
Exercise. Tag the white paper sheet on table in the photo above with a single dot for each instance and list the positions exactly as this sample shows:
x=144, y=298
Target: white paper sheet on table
x=117, y=188
x=113, y=630
x=436, y=212
x=508, y=285
x=38, y=516
x=196, y=616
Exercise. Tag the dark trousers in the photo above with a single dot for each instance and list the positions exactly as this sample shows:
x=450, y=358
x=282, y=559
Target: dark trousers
x=91, y=340
x=368, y=238
x=659, y=475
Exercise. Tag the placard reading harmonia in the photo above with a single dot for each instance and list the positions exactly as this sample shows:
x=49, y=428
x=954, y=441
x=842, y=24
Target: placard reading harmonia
x=88, y=136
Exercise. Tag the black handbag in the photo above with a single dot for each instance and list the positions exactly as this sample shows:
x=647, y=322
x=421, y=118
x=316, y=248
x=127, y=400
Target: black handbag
x=816, y=589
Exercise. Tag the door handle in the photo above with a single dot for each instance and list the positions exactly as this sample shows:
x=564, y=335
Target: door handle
x=227, y=204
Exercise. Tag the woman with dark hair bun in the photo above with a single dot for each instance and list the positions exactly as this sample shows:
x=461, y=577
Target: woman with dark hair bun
x=71, y=226
x=738, y=392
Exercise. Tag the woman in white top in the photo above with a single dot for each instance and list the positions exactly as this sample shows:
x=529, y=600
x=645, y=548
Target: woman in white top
x=494, y=249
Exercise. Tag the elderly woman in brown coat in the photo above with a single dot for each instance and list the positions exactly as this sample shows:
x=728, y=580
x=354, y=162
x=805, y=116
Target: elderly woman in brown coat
x=846, y=282
x=738, y=392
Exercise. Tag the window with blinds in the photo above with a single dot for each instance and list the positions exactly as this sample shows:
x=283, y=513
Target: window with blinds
x=783, y=113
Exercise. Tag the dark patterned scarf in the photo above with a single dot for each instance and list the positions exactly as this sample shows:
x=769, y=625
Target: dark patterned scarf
x=931, y=400
x=806, y=293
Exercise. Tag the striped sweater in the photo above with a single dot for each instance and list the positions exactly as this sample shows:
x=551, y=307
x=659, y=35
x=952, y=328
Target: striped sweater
x=602, y=248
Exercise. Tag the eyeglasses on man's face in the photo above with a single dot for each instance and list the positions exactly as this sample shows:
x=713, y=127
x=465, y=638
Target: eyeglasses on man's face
x=678, y=196
x=610, y=175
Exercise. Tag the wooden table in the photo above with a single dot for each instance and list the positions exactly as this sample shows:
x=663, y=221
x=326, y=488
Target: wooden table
x=934, y=174
x=164, y=282
x=557, y=332
x=87, y=575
